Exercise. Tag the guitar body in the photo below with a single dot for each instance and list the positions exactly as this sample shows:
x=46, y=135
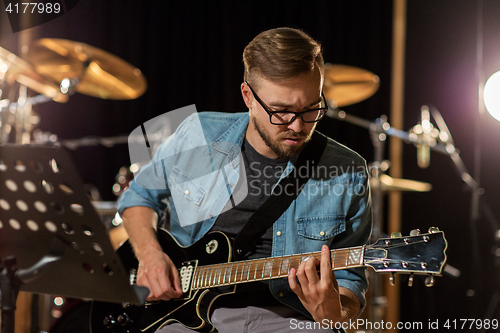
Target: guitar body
x=192, y=309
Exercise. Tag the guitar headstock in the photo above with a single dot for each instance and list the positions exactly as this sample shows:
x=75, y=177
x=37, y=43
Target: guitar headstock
x=415, y=254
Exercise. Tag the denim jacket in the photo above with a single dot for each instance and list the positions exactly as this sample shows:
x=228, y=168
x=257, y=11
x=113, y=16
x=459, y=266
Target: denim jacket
x=195, y=170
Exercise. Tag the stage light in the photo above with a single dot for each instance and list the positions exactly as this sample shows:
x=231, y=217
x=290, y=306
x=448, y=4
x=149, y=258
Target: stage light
x=492, y=95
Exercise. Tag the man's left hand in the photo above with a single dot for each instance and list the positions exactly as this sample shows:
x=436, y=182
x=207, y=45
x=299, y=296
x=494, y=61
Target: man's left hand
x=319, y=294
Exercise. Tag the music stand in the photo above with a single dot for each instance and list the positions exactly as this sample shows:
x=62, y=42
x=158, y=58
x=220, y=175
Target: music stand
x=52, y=240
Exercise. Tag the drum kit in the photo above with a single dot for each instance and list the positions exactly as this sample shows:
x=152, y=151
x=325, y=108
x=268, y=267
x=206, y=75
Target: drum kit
x=58, y=68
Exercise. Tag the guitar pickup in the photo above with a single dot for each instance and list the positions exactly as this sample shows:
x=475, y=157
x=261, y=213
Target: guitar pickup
x=186, y=275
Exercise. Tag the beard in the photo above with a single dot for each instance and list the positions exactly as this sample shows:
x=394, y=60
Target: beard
x=276, y=145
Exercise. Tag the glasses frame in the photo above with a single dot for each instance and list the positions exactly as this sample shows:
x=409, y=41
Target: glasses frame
x=295, y=114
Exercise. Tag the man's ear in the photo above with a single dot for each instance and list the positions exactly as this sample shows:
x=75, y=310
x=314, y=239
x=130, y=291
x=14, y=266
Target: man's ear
x=247, y=95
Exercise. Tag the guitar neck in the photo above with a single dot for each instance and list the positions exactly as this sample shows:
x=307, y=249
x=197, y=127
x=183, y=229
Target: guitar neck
x=268, y=268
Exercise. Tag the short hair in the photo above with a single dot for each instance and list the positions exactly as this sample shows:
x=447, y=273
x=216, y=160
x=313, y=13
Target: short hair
x=280, y=54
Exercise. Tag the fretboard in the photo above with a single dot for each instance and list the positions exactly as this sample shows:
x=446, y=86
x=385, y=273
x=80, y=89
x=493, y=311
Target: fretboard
x=268, y=268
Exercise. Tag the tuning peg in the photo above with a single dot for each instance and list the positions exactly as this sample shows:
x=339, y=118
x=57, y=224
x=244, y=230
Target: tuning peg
x=392, y=279
x=429, y=281
x=410, y=280
x=396, y=235
x=415, y=232
x=433, y=230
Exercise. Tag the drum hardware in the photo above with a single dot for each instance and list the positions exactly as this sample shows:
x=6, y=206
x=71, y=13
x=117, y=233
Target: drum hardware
x=18, y=115
x=14, y=69
x=387, y=184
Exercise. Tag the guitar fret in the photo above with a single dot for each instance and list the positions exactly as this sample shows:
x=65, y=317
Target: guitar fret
x=197, y=283
x=236, y=271
x=213, y=274
x=227, y=274
x=268, y=265
x=210, y=279
x=298, y=260
x=285, y=265
x=250, y=270
x=200, y=277
x=206, y=277
x=216, y=270
x=279, y=267
x=193, y=283
x=260, y=269
x=341, y=258
x=347, y=259
x=274, y=269
x=244, y=271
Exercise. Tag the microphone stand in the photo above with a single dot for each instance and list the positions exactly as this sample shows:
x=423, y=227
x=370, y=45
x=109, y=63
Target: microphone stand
x=379, y=130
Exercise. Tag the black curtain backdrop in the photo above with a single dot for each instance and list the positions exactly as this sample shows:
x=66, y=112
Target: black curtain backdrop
x=190, y=53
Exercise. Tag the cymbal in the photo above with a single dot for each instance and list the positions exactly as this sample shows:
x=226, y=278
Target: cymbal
x=13, y=68
x=388, y=184
x=95, y=72
x=346, y=85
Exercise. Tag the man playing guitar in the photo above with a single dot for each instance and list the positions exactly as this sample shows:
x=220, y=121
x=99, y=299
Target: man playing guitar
x=221, y=167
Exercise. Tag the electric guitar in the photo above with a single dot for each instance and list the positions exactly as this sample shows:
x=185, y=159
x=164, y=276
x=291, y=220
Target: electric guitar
x=205, y=267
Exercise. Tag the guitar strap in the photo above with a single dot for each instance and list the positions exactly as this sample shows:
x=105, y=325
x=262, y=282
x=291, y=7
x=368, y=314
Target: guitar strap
x=277, y=203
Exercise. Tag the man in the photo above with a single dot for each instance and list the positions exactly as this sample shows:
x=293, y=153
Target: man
x=221, y=167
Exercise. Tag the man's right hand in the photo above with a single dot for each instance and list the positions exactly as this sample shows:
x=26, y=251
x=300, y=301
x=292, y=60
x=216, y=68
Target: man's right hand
x=156, y=270
x=158, y=273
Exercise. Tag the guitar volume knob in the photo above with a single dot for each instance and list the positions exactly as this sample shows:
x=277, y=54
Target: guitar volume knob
x=109, y=321
x=123, y=319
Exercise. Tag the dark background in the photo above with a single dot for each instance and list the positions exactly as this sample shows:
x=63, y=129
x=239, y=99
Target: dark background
x=190, y=53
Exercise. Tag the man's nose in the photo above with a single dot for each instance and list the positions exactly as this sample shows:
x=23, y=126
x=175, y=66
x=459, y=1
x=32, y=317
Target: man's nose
x=297, y=125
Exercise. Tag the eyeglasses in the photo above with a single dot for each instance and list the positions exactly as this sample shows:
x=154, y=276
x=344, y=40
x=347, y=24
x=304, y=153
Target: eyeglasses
x=288, y=117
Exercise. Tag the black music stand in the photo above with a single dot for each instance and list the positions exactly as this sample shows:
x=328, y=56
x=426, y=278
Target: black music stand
x=52, y=240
